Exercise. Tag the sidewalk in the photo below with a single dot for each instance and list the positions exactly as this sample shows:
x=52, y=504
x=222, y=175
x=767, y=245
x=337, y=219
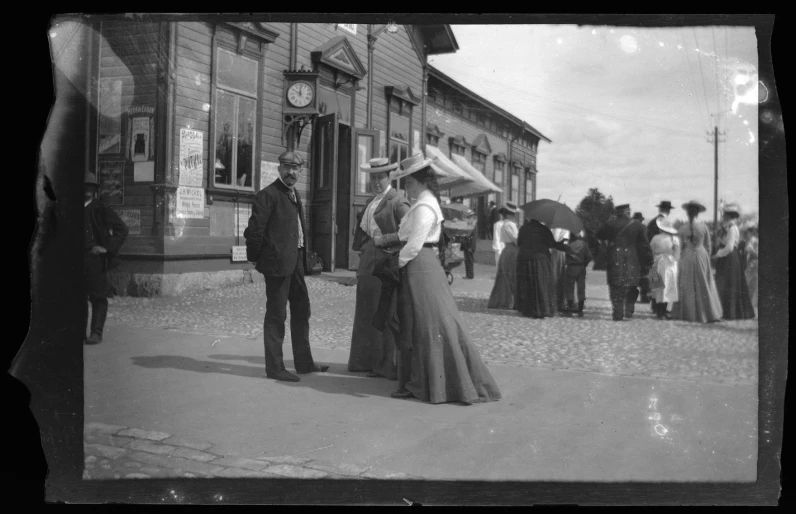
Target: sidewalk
x=550, y=424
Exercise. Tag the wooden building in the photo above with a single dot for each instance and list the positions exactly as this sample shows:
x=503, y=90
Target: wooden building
x=495, y=142
x=188, y=119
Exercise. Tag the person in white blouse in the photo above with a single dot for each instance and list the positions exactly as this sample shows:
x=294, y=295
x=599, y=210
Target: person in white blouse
x=730, y=281
x=497, y=243
x=504, y=290
x=444, y=365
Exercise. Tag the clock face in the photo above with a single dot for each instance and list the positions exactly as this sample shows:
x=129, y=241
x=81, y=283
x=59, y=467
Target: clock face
x=300, y=94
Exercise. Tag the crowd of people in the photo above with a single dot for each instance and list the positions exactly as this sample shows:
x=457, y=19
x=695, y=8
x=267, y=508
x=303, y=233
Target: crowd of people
x=407, y=326
x=539, y=268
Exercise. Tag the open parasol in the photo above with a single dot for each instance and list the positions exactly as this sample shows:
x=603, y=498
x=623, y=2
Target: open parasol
x=553, y=214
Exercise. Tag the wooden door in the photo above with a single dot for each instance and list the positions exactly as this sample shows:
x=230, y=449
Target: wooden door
x=364, y=147
x=324, y=197
x=343, y=185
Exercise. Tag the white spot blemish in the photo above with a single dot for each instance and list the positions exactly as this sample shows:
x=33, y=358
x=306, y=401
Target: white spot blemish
x=198, y=80
x=206, y=107
x=679, y=47
x=559, y=41
x=628, y=43
x=661, y=430
x=661, y=44
x=594, y=31
x=53, y=34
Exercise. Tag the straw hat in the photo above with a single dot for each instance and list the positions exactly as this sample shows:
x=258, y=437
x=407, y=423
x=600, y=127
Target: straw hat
x=666, y=225
x=411, y=165
x=379, y=165
x=694, y=203
x=731, y=208
x=509, y=207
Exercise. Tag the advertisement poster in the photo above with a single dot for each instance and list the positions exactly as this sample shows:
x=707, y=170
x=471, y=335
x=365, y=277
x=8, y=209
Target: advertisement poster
x=111, y=179
x=131, y=218
x=243, y=213
x=110, y=119
x=190, y=202
x=269, y=171
x=139, y=150
x=239, y=254
x=191, y=150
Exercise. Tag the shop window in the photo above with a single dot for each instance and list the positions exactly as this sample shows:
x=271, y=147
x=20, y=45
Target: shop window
x=514, y=186
x=235, y=120
x=528, y=186
x=399, y=140
x=458, y=150
x=479, y=161
x=500, y=170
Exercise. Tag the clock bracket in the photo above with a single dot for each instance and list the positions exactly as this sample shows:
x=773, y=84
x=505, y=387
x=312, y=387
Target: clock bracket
x=298, y=122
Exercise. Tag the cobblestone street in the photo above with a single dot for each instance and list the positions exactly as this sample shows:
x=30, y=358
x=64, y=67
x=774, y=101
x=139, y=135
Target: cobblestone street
x=645, y=346
x=177, y=389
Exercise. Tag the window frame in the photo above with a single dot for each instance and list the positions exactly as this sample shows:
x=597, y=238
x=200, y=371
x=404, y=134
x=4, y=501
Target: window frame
x=499, y=167
x=529, y=180
x=215, y=90
x=401, y=107
x=514, y=192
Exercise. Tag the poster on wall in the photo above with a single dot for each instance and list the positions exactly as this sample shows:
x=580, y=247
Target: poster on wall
x=269, y=171
x=190, y=202
x=191, y=150
x=111, y=179
x=110, y=118
x=139, y=148
x=131, y=218
x=242, y=214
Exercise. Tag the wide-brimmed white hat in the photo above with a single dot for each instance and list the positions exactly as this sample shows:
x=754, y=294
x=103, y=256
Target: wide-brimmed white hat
x=510, y=207
x=733, y=208
x=666, y=225
x=411, y=165
x=379, y=165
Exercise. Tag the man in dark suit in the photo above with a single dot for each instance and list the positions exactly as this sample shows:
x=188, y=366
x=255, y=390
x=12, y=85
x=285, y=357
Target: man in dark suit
x=643, y=283
x=628, y=252
x=104, y=235
x=275, y=242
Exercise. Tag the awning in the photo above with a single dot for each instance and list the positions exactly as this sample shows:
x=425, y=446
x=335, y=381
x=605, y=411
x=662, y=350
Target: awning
x=451, y=174
x=480, y=185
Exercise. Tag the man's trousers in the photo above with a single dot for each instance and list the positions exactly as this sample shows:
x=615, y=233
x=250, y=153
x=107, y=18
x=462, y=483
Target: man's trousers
x=278, y=292
x=623, y=300
x=576, y=275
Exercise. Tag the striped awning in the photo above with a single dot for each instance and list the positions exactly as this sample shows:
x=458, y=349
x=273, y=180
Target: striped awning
x=450, y=174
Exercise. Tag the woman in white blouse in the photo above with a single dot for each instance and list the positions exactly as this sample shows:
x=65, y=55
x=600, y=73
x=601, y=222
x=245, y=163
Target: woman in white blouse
x=444, y=365
x=730, y=280
x=504, y=291
x=666, y=251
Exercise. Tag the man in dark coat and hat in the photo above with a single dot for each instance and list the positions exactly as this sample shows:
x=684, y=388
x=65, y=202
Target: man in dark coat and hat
x=643, y=283
x=275, y=242
x=628, y=252
x=104, y=235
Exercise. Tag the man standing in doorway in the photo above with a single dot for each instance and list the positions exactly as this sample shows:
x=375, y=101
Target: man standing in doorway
x=104, y=234
x=628, y=251
x=275, y=242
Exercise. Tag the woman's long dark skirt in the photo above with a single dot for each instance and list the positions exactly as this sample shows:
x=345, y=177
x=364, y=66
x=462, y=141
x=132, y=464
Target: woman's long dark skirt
x=371, y=350
x=446, y=366
x=733, y=289
x=535, y=288
x=505, y=289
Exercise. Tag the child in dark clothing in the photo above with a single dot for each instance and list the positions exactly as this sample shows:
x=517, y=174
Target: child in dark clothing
x=578, y=257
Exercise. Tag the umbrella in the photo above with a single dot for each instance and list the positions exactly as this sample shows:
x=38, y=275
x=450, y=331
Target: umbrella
x=553, y=214
x=456, y=211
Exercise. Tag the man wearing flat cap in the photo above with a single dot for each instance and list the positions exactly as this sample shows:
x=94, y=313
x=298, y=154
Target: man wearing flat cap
x=276, y=242
x=628, y=252
x=664, y=208
x=373, y=350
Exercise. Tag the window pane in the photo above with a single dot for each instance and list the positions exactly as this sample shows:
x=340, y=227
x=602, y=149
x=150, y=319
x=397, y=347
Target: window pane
x=237, y=72
x=245, y=157
x=498, y=175
x=364, y=154
x=399, y=127
x=225, y=135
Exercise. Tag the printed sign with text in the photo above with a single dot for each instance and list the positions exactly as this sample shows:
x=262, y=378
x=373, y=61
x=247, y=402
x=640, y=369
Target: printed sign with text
x=190, y=202
x=131, y=218
x=191, y=165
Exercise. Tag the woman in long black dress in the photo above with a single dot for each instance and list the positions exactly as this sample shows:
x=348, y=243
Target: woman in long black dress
x=730, y=280
x=535, y=288
x=443, y=361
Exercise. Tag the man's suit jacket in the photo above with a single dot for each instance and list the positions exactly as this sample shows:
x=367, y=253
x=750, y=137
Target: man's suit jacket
x=388, y=215
x=652, y=227
x=109, y=229
x=628, y=251
x=272, y=234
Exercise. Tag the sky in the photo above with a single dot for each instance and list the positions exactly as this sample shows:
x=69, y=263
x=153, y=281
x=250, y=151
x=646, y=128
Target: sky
x=627, y=109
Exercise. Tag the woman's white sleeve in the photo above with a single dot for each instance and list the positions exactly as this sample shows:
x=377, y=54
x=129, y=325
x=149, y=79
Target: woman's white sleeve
x=510, y=233
x=730, y=243
x=420, y=222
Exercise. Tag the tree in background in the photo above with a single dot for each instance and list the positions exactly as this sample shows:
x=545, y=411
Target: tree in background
x=594, y=210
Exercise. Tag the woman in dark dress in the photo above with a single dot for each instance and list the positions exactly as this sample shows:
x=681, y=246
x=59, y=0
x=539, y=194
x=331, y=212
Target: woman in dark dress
x=730, y=280
x=535, y=288
x=444, y=365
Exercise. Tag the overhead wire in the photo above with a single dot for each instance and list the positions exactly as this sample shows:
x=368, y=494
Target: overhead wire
x=701, y=72
x=695, y=95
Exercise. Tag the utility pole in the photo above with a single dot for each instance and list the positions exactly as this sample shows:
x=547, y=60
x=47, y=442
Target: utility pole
x=714, y=140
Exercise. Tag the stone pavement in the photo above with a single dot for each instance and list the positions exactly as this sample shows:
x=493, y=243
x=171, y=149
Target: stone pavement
x=583, y=399
x=113, y=451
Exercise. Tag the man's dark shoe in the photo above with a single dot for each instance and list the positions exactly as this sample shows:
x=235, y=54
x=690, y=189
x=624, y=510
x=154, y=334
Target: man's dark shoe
x=284, y=376
x=94, y=338
x=316, y=368
x=618, y=317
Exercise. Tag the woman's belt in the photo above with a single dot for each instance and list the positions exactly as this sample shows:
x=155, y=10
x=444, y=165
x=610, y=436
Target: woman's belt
x=429, y=245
